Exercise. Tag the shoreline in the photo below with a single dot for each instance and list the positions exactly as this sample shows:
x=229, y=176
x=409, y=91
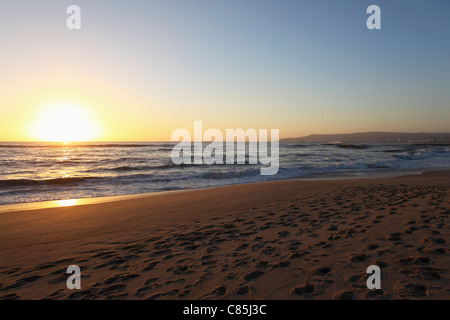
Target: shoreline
x=102, y=199
x=276, y=240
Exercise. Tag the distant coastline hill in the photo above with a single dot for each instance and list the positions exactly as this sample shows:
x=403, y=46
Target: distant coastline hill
x=374, y=137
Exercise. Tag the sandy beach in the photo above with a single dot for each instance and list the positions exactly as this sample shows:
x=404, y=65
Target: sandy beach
x=274, y=240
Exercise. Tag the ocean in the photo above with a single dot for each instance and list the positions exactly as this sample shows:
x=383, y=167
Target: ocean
x=31, y=172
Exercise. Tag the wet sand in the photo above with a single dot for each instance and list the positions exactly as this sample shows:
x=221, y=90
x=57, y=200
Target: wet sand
x=274, y=240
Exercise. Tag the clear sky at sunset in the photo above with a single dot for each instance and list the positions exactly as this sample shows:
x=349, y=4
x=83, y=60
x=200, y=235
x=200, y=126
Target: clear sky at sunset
x=141, y=69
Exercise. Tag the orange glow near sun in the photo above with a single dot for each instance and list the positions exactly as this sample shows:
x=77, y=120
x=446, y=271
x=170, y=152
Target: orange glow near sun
x=64, y=122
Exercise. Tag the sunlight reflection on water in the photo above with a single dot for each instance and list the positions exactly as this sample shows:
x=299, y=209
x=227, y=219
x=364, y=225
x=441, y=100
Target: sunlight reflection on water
x=67, y=203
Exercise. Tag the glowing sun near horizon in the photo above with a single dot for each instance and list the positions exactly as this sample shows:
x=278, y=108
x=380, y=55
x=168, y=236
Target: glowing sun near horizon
x=64, y=122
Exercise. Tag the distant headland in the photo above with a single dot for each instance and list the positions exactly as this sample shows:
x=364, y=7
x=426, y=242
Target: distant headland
x=374, y=137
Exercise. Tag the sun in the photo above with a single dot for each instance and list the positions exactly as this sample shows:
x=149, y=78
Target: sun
x=65, y=122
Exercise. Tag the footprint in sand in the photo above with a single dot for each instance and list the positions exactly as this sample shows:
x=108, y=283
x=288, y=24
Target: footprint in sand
x=343, y=295
x=304, y=289
x=253, y=275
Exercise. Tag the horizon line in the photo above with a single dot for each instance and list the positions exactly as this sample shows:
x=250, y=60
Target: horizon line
x=169, y=141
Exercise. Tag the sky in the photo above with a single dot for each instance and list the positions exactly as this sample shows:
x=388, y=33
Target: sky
x=141, y=69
